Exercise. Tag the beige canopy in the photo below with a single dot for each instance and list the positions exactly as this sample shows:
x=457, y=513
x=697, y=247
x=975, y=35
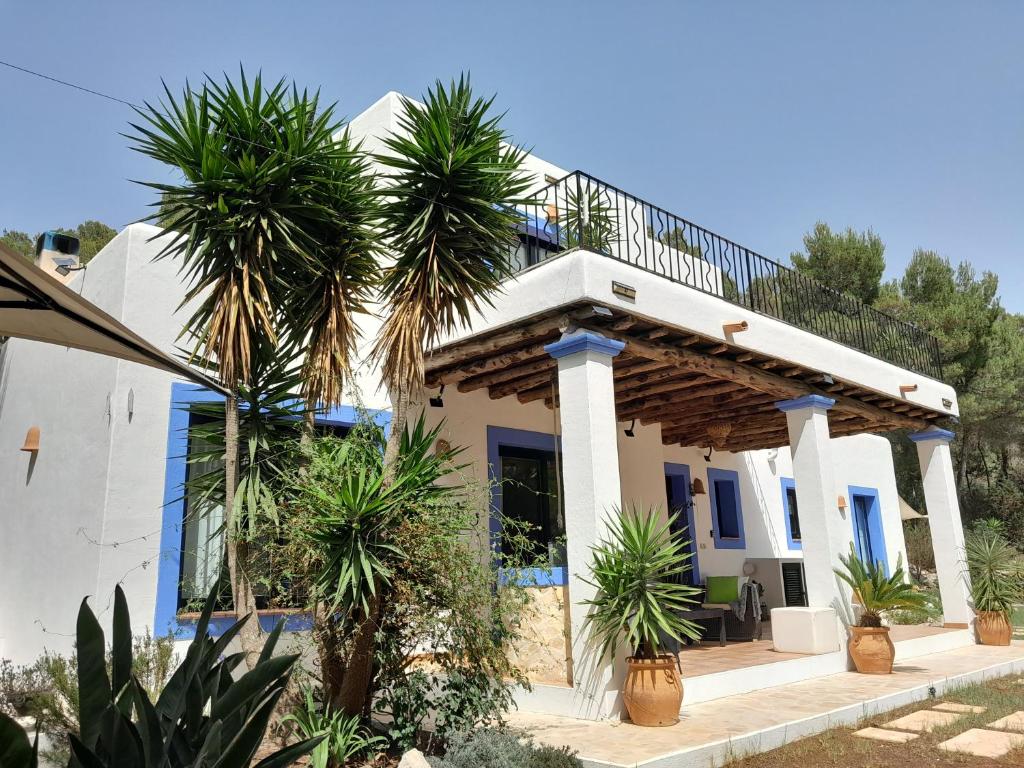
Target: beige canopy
x=35, y=306
x=907, y=512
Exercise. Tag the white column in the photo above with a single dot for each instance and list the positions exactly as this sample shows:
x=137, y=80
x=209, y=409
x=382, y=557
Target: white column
x=825, y=530
x=590, y=461
x=944, y=522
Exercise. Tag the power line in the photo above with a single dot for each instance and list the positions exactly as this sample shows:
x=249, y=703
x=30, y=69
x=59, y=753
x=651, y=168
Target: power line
x=138, y=108
x=69, y=85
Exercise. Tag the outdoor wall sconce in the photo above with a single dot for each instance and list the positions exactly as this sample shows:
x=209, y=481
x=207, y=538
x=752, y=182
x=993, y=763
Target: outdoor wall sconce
x=697, y=488
x=438, y=400
x=623, y=291
x=442, y=447
x=552, y=213
x=904, y=388
x=629, y=430
x=842, y=503
x=31, y=440
x=734, y=327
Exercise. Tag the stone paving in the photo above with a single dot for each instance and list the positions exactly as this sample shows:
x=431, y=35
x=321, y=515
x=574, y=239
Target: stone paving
x=710, y=732
x=994, y=740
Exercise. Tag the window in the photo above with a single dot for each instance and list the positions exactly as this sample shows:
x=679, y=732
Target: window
x=529, y=495
x=726, y=509
x=868, y=534
x=789, y=509
x=203, y=552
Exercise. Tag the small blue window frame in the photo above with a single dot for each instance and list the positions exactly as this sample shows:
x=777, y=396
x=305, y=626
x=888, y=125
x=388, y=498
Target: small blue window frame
x=517, y=438
x=876, y=531
x=789, y=484
x=732, y=477
x=166, y=620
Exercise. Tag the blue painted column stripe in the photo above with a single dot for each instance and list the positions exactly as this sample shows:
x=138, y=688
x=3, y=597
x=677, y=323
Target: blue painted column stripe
x=942, y=435
x=584, y=341
x=807, y=401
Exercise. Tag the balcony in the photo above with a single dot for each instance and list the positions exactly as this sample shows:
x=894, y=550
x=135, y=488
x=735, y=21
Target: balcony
x=580, y=211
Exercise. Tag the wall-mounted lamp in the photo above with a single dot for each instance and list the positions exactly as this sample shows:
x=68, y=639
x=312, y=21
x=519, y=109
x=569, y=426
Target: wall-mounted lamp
x=629, y=429
x=438, y=400
x=131, y=404
x=31, y=440
x=707, y=457
x=697, y=488
x=735, y=327
x=66, y=269
x=552, y=213
x=841, y=503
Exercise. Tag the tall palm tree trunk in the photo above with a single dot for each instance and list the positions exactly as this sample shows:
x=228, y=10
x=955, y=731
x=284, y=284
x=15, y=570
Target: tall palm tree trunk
x=242, y=594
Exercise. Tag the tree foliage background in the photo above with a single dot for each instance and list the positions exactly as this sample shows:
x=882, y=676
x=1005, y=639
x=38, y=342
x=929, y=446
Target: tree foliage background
x=982, y=349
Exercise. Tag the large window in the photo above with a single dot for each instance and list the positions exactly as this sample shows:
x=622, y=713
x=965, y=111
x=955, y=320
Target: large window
x=726, y=509
x=789, y=509
x=530, y=496
x=203, y=551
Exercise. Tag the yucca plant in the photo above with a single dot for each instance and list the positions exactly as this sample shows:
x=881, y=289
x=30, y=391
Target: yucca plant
x=997, y=572
x=267, y=217
x=636, y=570
x=204, y=716
x=874, y=591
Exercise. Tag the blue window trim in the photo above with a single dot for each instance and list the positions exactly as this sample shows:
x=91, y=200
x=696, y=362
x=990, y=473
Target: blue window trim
x=789, y=483
x=166, y=620
x=733, y=477
x=683, y=471
x=876, y=531
x=517, y=438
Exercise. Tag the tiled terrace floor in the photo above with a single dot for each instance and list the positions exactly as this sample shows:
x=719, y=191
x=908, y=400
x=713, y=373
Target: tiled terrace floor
x=765, y=719
x=709, y=657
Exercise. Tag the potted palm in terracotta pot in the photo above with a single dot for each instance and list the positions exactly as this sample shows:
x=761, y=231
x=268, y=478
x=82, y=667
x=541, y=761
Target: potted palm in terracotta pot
x=637, y=571
x=997, y=583
x=871, y=647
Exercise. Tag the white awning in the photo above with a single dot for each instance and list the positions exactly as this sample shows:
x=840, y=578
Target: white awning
x=35, y=306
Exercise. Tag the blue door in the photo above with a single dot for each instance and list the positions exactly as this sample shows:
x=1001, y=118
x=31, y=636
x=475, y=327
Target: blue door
x=677, y=491
x=868, y=537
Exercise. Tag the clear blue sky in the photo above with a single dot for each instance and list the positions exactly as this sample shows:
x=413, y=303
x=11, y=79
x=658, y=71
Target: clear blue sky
x=752, y=119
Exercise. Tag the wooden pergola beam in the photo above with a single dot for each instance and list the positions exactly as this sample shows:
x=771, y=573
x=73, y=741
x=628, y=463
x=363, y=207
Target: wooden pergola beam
x=753, y=377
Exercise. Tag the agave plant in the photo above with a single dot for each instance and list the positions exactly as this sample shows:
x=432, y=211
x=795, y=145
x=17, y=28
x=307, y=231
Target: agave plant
x=16, y=751
x=636, y=572
x=874, y=591
x=997, y=572
x=204, y=716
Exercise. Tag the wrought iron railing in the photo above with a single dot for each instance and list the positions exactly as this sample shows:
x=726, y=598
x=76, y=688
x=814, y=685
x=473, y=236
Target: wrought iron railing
x=581, y=211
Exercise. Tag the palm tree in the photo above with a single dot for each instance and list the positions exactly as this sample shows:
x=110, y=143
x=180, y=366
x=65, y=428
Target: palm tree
x=256, y=213
x=451, y=186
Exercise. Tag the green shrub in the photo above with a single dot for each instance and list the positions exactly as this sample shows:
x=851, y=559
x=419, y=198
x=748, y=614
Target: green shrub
x=345, y=738
x=502, y=748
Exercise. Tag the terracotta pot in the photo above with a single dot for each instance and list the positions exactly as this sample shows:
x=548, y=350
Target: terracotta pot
x=993, y=628
x=871, y=650
x=653, y=692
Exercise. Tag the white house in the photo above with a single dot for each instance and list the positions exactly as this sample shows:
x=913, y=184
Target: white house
x=636, y=357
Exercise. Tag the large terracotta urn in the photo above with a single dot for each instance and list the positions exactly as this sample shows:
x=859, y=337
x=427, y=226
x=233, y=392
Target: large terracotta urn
x=872, y=650
x=993, y=628
x=653, y=692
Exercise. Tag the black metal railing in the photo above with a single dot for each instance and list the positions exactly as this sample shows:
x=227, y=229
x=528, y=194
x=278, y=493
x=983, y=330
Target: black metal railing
x=580, y=211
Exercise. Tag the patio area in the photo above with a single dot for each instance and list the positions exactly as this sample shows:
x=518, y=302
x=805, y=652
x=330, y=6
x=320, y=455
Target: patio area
x=709, y=658
x=712, y=732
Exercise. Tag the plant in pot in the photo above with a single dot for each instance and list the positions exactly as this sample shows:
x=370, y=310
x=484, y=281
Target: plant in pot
x=997, y=583
x=871, y=648
x=637, y=571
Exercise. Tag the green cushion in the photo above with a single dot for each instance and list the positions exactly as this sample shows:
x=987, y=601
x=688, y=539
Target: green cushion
x=723, y=589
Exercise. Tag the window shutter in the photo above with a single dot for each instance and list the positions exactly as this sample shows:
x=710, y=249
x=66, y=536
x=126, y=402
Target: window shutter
x=793, y=584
